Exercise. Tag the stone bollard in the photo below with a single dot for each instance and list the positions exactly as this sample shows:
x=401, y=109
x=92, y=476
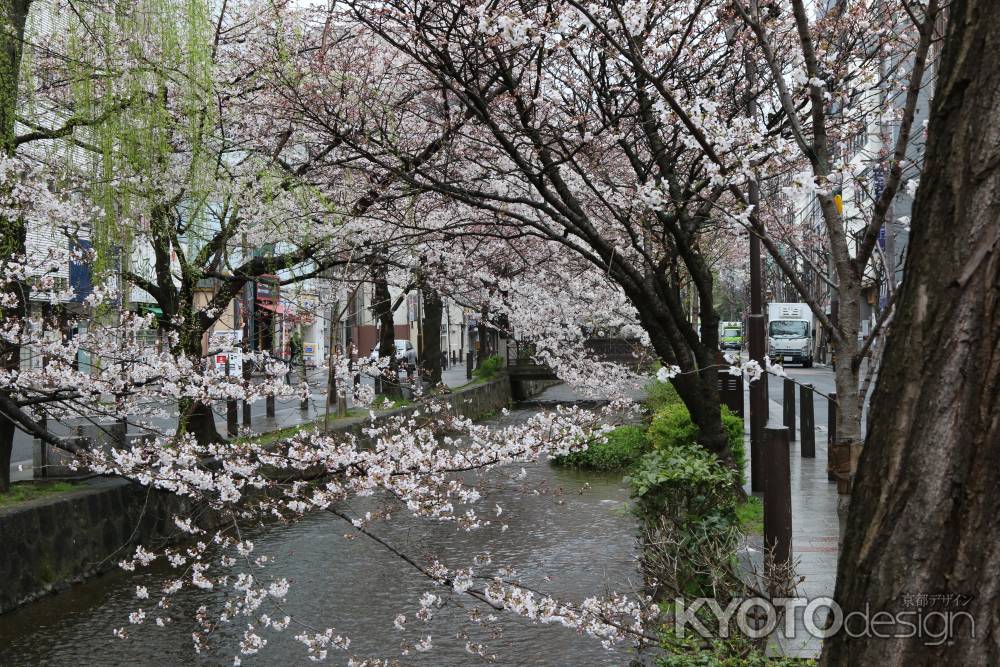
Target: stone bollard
x=807, y=421
x=341, y=406
x=789, y=407
x=831, y=435
x=777, y=506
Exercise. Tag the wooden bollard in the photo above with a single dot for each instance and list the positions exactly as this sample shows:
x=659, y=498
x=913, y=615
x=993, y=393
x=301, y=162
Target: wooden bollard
x=777, y=499
x=807, y=421
x=789, y=407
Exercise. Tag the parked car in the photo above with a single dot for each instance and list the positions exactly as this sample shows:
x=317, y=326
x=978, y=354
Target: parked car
x=406, y=355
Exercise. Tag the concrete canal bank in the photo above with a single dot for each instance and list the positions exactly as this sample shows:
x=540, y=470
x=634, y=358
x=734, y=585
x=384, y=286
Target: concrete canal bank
x=51, y=543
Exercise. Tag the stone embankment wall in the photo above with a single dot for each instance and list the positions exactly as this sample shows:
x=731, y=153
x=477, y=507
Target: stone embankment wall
x=50, y=543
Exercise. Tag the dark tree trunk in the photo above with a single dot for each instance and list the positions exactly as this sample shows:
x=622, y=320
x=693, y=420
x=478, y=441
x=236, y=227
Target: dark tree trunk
x=923, y=516
x=196, y=417
x=13, y=15
x=484, y=337
x=6, y=447
x=200, y=422
x=431, y=360
x=388, y=382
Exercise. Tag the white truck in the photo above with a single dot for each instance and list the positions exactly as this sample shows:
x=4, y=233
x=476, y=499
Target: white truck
x=790, y=333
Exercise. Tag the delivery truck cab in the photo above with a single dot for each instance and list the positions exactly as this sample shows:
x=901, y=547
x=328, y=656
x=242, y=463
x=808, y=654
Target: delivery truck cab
x=790, y=333
x=731, y=336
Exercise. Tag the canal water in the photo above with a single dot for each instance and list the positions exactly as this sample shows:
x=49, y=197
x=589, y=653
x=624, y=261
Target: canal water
x=570, y=535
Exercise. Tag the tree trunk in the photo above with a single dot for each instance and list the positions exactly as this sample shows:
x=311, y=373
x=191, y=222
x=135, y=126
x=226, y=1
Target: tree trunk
x=923, y=518
x=196, y=417
x=431, y=359
x=388, y=382
x=199, y=420
x=846, y=374
x=13, y=14
x=484, y=337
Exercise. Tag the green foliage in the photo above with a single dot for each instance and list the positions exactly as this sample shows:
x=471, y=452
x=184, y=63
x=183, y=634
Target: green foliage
x=383, y=402
x=624, y=446
x=694, y=651
x=733, y=426
x=686, y=484
x=750, y=516
x=24, y=491
x=488, y=368
x=660, y=395
x=687, y=501
x=672, y=427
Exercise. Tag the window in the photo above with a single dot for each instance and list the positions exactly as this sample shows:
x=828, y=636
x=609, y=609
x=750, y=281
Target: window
x=788, y=329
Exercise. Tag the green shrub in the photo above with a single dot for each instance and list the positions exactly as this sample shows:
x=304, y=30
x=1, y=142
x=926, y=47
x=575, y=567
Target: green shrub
x=659, y=395
x=672, y=427
x=750, y=516
x=686, y=502
x=684, y=483
x=624, y=446
x=488, y=368
x=733, y=426
x=692, y=651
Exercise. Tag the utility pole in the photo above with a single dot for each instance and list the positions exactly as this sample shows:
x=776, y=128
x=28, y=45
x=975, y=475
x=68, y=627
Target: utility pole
x=755, y=332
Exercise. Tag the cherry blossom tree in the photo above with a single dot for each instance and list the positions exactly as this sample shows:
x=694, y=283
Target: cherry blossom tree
x=552, y=136
x=834, y=74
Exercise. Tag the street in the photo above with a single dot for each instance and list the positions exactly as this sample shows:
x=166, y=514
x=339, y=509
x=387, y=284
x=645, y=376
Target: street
x=287, y=413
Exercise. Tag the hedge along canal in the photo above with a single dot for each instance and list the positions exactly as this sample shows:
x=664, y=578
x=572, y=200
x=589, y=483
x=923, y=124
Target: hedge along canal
x=569, y=535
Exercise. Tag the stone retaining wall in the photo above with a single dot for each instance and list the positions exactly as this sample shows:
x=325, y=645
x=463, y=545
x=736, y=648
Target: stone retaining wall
x=50, y=543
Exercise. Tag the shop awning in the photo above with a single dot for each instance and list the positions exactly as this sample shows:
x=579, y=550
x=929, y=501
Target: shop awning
x=147, y=308
x=281, y=310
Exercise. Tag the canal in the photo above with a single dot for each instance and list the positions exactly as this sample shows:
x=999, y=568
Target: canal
x=570, y=535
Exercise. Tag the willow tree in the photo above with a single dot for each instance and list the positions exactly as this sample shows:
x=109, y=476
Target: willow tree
x=38, y=106
x=196, y=178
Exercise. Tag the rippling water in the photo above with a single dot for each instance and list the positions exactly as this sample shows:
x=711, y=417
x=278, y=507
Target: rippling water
x=570, y=535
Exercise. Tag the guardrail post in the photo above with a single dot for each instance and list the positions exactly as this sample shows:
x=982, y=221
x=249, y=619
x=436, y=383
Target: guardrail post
x=788, y=405
x=777, y=503
x=808, y=421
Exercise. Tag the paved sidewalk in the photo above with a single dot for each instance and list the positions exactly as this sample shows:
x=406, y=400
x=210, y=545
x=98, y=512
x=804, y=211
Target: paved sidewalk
x=287, y=413
x=815, y=533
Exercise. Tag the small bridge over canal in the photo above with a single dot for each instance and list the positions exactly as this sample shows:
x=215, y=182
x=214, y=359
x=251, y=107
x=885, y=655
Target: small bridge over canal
x=522, y=367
